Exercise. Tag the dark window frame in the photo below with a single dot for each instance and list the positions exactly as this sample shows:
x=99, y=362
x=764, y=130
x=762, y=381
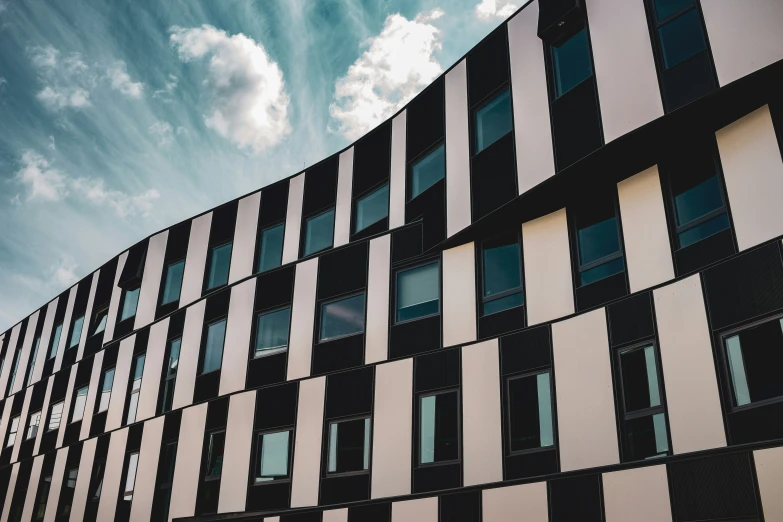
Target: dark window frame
x=415, y=161
x=259, y=244
x=102, y=312
x=169, y=378
x=339, y=420
x=319, y=315
x=256, y=456
x=473, y=112
x=206, y=289
x=549, y=64
x=254, y=337
x=83, y=316
x=303, y=234
x=417, y=427
x=54, y=340
x=506, y=293
x=203, y=347
x=395, y=289
x=507, y=414
x=359, y=197
x=164, y=277
x=122, y=305
x=207, y=477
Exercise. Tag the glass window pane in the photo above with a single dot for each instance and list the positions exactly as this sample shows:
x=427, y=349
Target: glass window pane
x=100, y=323
x=682, y=38
x=530, y=412
x=698, y=200
x=343, y=317
x=320, y=232
x=173, y=285
x=645, y=437
x=504, y=303
x=138, y=372
x=217, y=443
x=704, y=230
x=272, y=332
x=106, y=386
x=79, y=404
x=502, y=268
x=572, y=63
x=274, y=456
x=640, y=379
x=271, y=254
x=76, y=332
x=130, y=480
x=55, y=417
x=598, y=240
x=213, y=355
x=55, y=340
x=418, y=292
x=602, y=271
x=348, y=450
x=129, y=304
x=372, y=208
x=493, y=121
x=428, y=171
x=755, y=357
x=666, y=8
x=438, y=428
x=219, y=263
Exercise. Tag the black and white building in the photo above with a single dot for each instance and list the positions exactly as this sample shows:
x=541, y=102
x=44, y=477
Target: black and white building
x=549, y=289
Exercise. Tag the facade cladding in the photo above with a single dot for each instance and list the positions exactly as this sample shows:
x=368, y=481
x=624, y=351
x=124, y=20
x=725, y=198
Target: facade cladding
x=549, y=289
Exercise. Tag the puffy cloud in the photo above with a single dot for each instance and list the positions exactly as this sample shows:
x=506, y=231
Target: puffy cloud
x=41, y=180
x=121, y=81
x=249, y=99
x=163, y=132
x=125, y=205
x=67, y=81
x=61, y=98
x=397, y=64
x=495, y=8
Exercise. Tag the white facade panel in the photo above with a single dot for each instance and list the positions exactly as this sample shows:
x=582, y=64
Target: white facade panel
x=82, y=489
x=147, y=470
x=119, y=388
x=24, y=419
x=44, y=415
x=417, y=510
x=243, y=250
x=505, y=504
x=769, y=472
x=32, y=488
x=640, y=494
x=112, y=476
x=459, y=295
x=239, y=443
x=114, y=301
x=300, y=344
x=150, y=281
x=9, y=493
x=87, y=325
x=458, y=215
x=307, y=444
x=342, y=214
x=195, y=259
x=46, y=335
x=57, y=482
x=188, y=355
x=376, y=347
x=397, y=177
x=92, y=394
x=187, y=468
x=293, y=218
x=153, y=366
x=65, y=337
x=24, y=357
x=10, y=353
x=237, y=343
x=67, y=405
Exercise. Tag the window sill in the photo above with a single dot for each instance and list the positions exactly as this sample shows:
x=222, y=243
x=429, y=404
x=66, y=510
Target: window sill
x=268, y=352
x=531, y=450
x=754, y=405
x=337, y=338
x=406, y=321
x=337, y=474
x=436, y=464
x=268, y=482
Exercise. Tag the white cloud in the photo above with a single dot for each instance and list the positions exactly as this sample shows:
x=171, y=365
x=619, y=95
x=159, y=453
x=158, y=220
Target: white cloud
x=67, y=81
x=249, y=100
x=121, y=81
x=497, y=8
x=95, y=191
x=63, y=273
x=163, y=132
x=168, y=88
x=41, y=180
x=398, y=63
x=57, y=99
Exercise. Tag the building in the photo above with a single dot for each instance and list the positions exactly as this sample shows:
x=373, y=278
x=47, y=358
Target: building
x=549, y=289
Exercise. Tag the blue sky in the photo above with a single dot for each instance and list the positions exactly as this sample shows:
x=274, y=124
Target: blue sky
x=120, y=118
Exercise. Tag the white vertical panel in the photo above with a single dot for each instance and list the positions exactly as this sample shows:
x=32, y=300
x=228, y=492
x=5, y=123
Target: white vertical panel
x=769, y=472
x=9, y=494
x=244, y=249
x=92, y=394
x=187, y=468
x=482, y=440
x=87, y=325
x=24, y=418
x=336, y=515
x=457, y=150
x=44, y=415
x=647, y=247
x=57, y=482
x=147, y=470
x=120, y=386
x=239, y=442
x=293, y=218
x=67, y=405
x=81, y=491
x=114, y=301
x=188, y=358
x=398, y=176
x=112, y=476
x=418, y=510
x=195, y=259
x=150, y=281
x=392, y=421
x=548, y=282
x=459, y=295
x=307, y=443
x=342, y=215
x=46, y=334
x=533, y=138
x=65, y=337
x=624, y=66
x=753, y=170
x=6, y=420
x=300, y=344
x=695, y=416
x=505, y=504
x=24, y=357
x=10, y=353
x=640, y=494
x=744, y=36
x=237, y=344
x=32, y=488
x=587, y=428
x=153, y=366
x=378, y=282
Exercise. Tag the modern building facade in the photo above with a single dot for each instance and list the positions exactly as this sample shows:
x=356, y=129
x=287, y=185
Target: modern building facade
x=549, y=289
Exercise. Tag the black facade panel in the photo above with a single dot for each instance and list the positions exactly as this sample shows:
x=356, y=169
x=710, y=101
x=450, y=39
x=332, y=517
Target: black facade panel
x=320, y=190
x=207, y=386
x=488, y=66
x=406, y=243
x=177, y=242
x=745, y=287
x=577, y=498
x=426, y=119
x=20, y=493
x=207, y=498
x=171, y=426
x=268, y=496
x=576, y=124
x=217, y=305
x=133, y=270
x=274, y=204
x=430, y=208
x=707, y=251
x=375, y=228
x=631, y=319
x=437, y=370
x=267, y=370
x=601, y=292
x=370, y=513
x=224, y=220
x=343, y=271
x=758, y=424
x=414, y=337
x=5, y=477
x=217, y=414
x=434, y=478
x=558, y=19
x=460, y=507
x=276, y=406
x=528, y=465
x=349, y=393
x=526, y=351
x=338, y=354
x=493, y=177
x=499, y=323
x=372, y=159
x=350, y=488
x=302, y=517
x=275, y=288
x=688, y=81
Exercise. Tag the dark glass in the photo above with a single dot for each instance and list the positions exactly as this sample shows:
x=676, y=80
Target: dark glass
x=173, y=285
x=439, y=428
x=130, y=302
x=271, y=254
x=213, y=354
x=219, y=262
x=217, y=446
x=646, y=437
x=272, y=332
x=682, y=38
x=493, y=120
x=97, y=479
x=755, y=360
x=42, y=498
x=428, y=171
x=343, y=317
x=320, y=232
x=530, y=412
x=69, y=484
x=349, y=446
x=572, y=63
x=372, y=208
x=640, y=379
x=602, y=271
x=704, y=230
x=502, y=267
x=171, y=374
x=698, y=200
x=418, y=292
x=598, y=240
x=666, y=8
x=273, y=456
x=55, y=340
x=503, y=303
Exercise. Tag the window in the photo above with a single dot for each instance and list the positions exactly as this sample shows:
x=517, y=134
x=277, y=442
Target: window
x=439, y=427
x=418, y=292
x=33, y=358
x=493, y=120
x=342, y=317
x=106, y=385
x=217, y=445
x=273, y=456
x=171, y=374
x=680, y=32
x=319, y=232
x=213, y=353
x=79, y=404
x=428, y=171
x=644, y=433
x=571, y=63
x=32, y=427
x=99, y=325
x=14, y=370
x=161, y=509
x=66, y=497
x=349, y=446
x=55, y=417
x=97, y=479
x=598, y=243
x=58, y=330
x=172, y=284
x=502, y=275
x=372, y=208
x=41, y=498
x=133, y=404
x=530, y=412
x=271, y=248
x=76, y=332
x=12, y=432
x=755, y=359
x=272, y=332
x=219, y=261
x=130, y=478
x=129, y=303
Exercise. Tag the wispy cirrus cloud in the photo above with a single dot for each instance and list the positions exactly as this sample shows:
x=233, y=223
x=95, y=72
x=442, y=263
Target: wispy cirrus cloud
x=121, y=81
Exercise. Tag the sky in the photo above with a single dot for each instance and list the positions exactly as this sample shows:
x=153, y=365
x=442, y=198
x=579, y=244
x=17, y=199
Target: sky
x=119, y=118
